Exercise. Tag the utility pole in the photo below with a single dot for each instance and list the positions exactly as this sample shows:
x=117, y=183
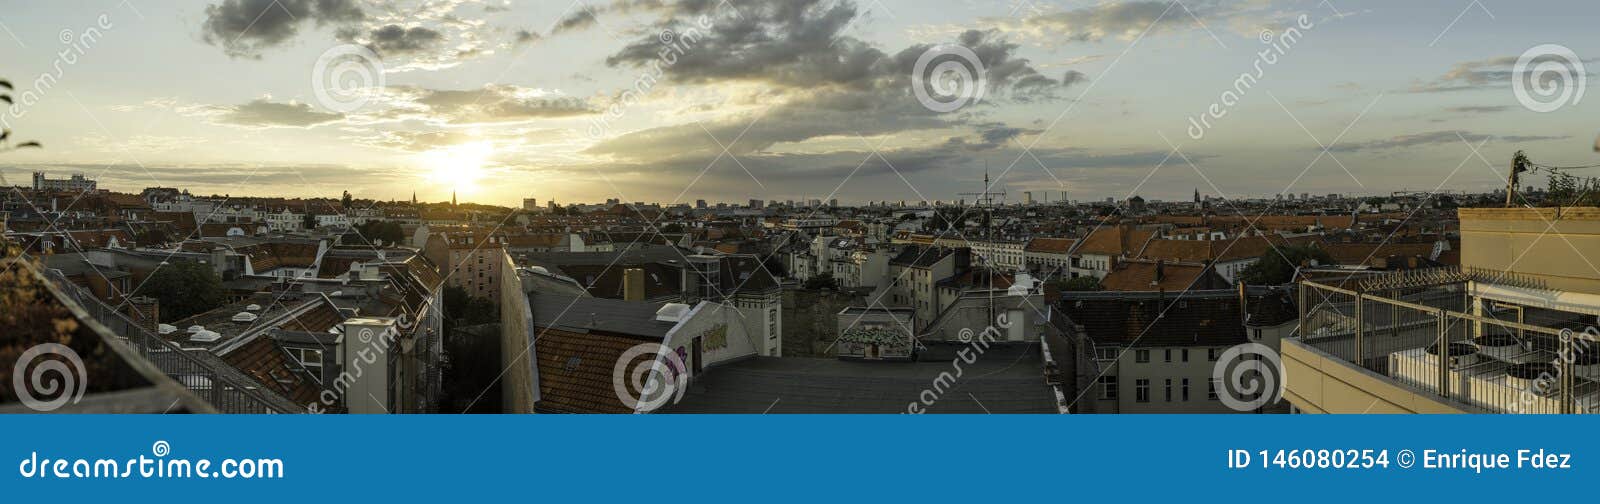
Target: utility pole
x=1519, y=164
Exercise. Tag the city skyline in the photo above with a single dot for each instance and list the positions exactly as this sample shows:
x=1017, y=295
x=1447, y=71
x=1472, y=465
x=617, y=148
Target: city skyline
x=500, y=101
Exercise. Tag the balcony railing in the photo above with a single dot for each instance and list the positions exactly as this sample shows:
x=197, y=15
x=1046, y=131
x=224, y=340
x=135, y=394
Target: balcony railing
x=1438, y=338
x=213, y=380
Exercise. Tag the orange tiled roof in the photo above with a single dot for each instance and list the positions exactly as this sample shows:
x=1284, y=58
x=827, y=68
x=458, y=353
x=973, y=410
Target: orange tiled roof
x=1135, y=275
x=1115, y=241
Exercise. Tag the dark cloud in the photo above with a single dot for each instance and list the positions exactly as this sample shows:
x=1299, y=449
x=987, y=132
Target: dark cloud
x=526, y=37
x=243, y=28
x=263, y=113
x=989, y=136
x=935, y=172
x=577, y=20
x=396, y=39
x=823, y=83
x=1434, y=138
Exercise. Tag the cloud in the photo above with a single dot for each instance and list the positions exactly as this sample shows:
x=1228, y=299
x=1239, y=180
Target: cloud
x=1483, y=109
x=414, y=141
x=243, y=28
x=578, y=20
x=989, y=136
x=526, y=37
x=818, y=82
x=493, y=103
x=1124, y=20
x=262, y=113
x=396, y=39
x=1434, y=138
x=1492, y=73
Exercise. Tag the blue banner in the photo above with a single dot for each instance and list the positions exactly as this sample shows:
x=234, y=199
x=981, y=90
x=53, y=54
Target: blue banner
x=743, y=458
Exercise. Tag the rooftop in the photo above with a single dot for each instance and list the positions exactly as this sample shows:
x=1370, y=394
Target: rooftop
x=1005, y=379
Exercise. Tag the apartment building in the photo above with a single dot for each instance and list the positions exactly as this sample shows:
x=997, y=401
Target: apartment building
x=1050, y=256
x=1104, y=246
x=469, y=260
x=914, y=277
x=1156, y=352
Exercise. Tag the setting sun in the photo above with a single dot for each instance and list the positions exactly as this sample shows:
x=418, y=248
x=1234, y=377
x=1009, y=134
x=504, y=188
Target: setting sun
x=458, y=167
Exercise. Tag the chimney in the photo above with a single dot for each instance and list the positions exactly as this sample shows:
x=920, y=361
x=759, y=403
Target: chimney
x=145, y=312
x=1161, y=270
x=633, y=284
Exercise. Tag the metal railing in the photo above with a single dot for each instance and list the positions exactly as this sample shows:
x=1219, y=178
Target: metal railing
x=1441, y=340
x=213, y=380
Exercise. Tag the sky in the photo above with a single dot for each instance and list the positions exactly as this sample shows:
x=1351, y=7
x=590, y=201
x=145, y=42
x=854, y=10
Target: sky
x=729, y=100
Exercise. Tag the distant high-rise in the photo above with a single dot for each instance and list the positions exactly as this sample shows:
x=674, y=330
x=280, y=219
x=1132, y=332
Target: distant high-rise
x=530, y=204
x=700, y=204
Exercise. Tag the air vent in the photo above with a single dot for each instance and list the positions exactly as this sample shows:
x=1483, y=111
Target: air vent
x=165, y=329
x=1534, y=376
x=194, y=329
x=244, y=317
x=205, y=337
x=672, y=312
x=254, y=307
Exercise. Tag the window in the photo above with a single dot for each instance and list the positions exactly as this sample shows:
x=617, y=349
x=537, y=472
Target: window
x=1167, y=355
x=1141, y=355
x=1185, y=390
x=1169, y=390
x=309, y=358
x=1185, y=354
x=1141, y=390
x=1108, y=388
x=1212, y=353
x=1105, y=353
x=1211, y=390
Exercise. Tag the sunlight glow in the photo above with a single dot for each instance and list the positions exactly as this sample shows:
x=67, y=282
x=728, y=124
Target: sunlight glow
x=458, y=168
